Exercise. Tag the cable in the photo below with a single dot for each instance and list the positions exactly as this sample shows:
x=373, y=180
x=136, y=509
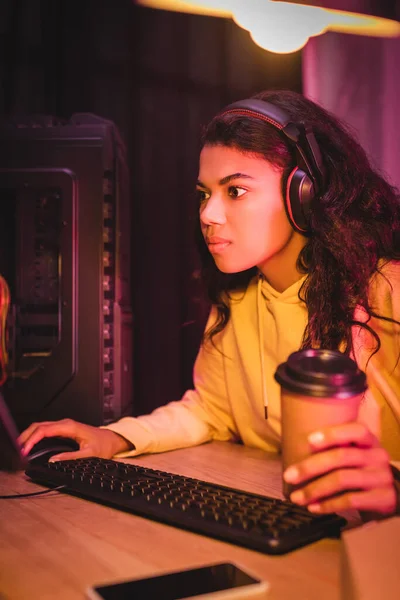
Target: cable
x=60, y=487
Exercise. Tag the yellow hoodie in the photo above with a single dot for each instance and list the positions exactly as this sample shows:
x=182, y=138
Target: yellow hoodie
x=234, y=381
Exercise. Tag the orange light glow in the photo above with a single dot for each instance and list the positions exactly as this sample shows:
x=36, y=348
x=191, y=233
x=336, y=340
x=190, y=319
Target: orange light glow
x=211, y=8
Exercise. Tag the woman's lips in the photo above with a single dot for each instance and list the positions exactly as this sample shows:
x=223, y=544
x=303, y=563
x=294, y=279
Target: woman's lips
x=215, y=247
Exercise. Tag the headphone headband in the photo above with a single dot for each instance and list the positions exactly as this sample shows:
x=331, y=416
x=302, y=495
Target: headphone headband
x=296, y=133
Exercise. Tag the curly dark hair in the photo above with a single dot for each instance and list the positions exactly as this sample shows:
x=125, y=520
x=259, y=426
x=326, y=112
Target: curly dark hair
x=355, y=221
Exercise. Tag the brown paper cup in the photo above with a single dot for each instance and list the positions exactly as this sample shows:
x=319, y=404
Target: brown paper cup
x=319, y=388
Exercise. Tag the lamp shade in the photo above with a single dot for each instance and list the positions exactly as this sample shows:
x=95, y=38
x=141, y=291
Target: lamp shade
x=286, y=25
x=385, y=9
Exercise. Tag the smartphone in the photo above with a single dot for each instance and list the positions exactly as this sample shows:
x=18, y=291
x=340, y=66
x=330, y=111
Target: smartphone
x=219, y=581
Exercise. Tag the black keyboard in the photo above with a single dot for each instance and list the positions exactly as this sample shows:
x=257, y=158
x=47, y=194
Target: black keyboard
x=257, y=522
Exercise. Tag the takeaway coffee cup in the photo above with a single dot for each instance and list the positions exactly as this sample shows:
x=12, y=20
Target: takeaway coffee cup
x=319, y=388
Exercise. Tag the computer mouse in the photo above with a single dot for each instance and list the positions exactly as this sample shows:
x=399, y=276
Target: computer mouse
x=50, y=446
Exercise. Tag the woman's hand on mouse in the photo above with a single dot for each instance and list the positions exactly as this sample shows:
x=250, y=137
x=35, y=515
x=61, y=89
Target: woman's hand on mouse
x=92, y=441
x=352, y=471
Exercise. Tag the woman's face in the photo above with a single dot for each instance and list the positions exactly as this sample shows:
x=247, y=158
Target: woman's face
x=242, y=214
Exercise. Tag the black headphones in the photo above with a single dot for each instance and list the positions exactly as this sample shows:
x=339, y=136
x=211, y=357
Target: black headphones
x=307, y=178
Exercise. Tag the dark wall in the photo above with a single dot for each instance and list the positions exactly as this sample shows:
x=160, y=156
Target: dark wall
x=159, y=76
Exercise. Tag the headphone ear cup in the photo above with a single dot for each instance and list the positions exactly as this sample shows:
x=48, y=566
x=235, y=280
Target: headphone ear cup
x=298, y=197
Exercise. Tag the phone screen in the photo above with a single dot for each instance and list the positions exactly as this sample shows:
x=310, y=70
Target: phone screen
x=181, y=584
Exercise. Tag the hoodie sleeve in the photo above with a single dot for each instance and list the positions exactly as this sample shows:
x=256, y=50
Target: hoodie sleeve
x=380, y=409
x=203, y=414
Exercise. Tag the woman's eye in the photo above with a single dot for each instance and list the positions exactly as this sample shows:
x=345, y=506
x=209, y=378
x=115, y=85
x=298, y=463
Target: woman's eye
x=235, y=192
x=202, y=196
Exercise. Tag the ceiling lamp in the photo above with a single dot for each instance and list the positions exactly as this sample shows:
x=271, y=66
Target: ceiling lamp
x=286, y=26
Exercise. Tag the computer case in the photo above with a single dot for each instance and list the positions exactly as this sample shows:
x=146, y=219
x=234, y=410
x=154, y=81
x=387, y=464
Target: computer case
x=64, y=252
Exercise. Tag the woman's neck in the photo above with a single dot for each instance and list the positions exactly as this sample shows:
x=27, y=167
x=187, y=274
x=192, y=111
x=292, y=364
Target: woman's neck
x=280, y=270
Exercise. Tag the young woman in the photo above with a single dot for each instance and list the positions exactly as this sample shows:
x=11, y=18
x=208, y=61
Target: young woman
x=299, y=239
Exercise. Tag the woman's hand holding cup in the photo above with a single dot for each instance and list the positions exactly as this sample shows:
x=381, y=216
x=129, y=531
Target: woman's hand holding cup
x=348, y=469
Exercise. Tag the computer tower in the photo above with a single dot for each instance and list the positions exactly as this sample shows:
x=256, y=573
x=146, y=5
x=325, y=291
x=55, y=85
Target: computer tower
x=64, y=252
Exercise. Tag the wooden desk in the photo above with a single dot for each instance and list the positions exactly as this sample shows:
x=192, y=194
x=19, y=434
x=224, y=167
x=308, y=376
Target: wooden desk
x=55, y=546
